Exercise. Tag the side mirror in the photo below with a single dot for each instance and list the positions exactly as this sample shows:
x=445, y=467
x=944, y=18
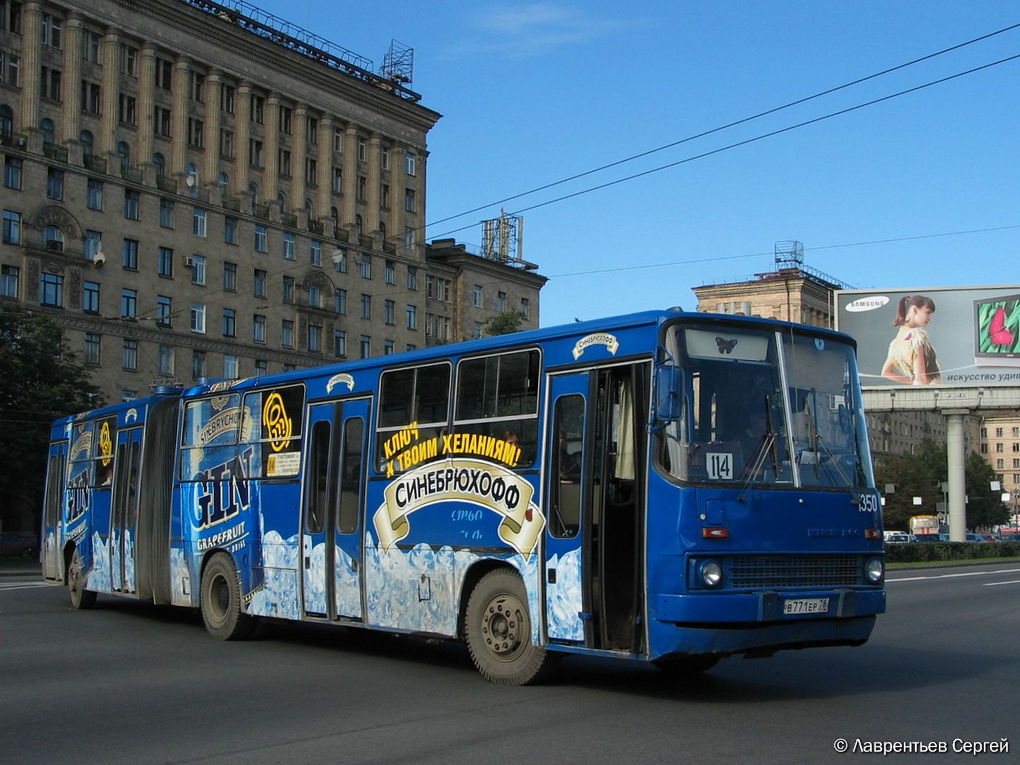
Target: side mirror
x=669, y=386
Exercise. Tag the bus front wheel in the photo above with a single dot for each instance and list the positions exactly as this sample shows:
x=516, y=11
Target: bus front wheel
x=498, y=628
x=80, y=597
x=221, y=601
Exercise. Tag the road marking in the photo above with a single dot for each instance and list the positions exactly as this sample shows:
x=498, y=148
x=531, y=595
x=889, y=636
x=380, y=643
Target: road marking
x=996, y=584
x=953, y=576
x=22, y=585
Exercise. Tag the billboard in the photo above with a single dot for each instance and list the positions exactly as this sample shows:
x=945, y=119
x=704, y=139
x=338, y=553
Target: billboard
x=936, y=336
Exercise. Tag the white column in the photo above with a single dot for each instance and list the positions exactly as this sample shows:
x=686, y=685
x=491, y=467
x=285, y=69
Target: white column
x=957, y=479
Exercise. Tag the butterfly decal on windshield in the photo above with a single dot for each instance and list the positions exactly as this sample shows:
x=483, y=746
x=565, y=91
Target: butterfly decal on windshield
x=724, y=345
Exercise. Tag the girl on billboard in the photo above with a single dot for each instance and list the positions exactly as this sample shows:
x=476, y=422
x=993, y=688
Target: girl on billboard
x=911, y=359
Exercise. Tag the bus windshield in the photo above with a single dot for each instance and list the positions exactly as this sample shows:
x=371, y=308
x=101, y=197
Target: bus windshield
x=766, y=407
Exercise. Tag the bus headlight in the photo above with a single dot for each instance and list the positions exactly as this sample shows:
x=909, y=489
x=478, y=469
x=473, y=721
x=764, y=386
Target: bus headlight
x=874, y=570
x=710, y=573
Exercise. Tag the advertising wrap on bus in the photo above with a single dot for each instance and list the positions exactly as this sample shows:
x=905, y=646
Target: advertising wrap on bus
x=663, y=486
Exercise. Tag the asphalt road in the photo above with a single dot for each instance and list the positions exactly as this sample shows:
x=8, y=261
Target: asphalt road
x=130, y=683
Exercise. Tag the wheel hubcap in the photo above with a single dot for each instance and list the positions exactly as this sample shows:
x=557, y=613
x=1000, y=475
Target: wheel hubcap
x=502, y=627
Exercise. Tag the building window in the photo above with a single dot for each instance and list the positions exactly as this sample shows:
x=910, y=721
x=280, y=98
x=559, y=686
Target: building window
x=338, y=180
x=129, y=355
x=258, y=328
x=52, y=31
x=227, y=93
x=90, y=297
x=339, y=343
x=165, y=261
x=10, y=70
x=409, y=200
x=366, y=306
x=196, y=89
x=501, y=302
x=197, y=313
x=260, y=238
x=366, y=265
x=132, y=200
x=283, y=159
x=161, y=121
x=525, y=308
x=314, y=297
x=93, y=347
x=412, y=317
x=127, y=110
x=128, y=60
x=165, y=359
x=258, y=109
x=437, y=288
x=198, y=269
x=129, y=254
x=311, y=171
x=288, y=245
x=288, y=289
x=128, y=303
x=340, y=301
x=409, y=162
x=315, y=252
x=9, y=278
x=198, y=221
x=287, y=333
x=230, y=277
x=259, y=282
x=54, y=183
x=197, y=364
x=365, y=346
x=476, y=296
x=412, y=278
x=387, y=347
x=166, y=213
x=12, y=172
x=391, y=272
x=196, y=131
x=164, y=74
x=314, y=338
x=229, y=322
x=389, y=312
x=340, y=260
x=93, y=244
x=230, y=230
x=50, y=85
x=230, y=366
x=255, y=153
x=261, y=367
x=90, y=97
x=164, y=311
x=51, y=289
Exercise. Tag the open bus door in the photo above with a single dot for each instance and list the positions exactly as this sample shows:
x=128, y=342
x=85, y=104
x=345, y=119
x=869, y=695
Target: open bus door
x=52, y=526
x=124, y=542
x=331, y=550
x=595, y=491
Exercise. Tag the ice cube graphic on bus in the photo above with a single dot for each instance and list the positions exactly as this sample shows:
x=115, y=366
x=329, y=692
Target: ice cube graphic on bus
x=997, y=331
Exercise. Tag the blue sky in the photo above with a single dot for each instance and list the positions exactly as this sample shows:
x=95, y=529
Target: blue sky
x=918, y=190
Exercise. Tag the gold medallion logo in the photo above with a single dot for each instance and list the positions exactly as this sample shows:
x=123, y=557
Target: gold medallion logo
x=276, y=422
x=105, y=444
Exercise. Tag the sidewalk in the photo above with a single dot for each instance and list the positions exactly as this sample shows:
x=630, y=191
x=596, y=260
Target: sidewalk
x=20, y=567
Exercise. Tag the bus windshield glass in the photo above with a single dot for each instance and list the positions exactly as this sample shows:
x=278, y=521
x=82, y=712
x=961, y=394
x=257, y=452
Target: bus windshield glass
x=765, y=407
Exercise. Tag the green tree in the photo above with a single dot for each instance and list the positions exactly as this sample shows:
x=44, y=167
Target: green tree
x=922, y=474
x=504, y=323
x=40, y=380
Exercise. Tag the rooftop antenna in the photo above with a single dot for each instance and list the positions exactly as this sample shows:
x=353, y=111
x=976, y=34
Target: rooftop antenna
x=398, y=63
x=503, y=238
x=789, y=254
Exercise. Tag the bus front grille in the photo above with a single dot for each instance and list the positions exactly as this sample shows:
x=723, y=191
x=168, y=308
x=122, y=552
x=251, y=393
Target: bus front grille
x=757, y=571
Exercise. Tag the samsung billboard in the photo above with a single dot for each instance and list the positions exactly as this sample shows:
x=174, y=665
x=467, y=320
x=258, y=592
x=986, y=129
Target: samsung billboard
x=941, y=336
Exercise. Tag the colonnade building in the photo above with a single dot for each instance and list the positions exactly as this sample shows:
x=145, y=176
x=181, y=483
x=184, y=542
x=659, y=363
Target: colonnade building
x=194, y=189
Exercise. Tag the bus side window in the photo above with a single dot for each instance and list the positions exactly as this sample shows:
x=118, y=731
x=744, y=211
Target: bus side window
x=568, y=458
x=350, y=477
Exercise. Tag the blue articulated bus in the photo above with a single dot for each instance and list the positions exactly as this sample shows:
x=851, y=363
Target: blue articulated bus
x=663, y=486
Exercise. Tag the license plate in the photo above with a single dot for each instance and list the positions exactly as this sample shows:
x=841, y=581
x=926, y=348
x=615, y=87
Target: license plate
x=806, y=606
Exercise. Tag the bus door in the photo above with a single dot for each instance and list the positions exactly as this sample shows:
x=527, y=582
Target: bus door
x=331, y=549
x=596, y=507
x=123, y=538
x=56, y=476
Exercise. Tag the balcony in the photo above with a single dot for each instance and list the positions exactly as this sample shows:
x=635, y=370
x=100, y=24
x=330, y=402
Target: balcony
x=18, y=140
x=289, y=219
x=261, y=211
x=315, y=226
x=232, y=203
x=94, y=162
x=130, y=173
x=52, y=151
x=165, y=183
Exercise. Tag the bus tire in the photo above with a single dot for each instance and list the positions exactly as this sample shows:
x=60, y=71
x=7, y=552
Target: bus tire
x=80, y=597
x=498, y=628
x=221, y=601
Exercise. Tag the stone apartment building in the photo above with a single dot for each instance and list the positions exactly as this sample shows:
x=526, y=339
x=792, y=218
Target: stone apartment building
x=194, y=189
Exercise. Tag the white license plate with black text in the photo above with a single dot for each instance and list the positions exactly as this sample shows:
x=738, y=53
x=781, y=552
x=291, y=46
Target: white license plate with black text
x=806, y=606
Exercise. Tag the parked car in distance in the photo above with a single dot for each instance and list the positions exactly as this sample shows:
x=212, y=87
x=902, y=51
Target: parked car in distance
x=897, y=537
x=931, y=538
x=17, y=545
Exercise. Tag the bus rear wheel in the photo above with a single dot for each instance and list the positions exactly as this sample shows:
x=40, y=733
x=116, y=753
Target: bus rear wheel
x=80, y=597
x=498, y=628
x=221, y=601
